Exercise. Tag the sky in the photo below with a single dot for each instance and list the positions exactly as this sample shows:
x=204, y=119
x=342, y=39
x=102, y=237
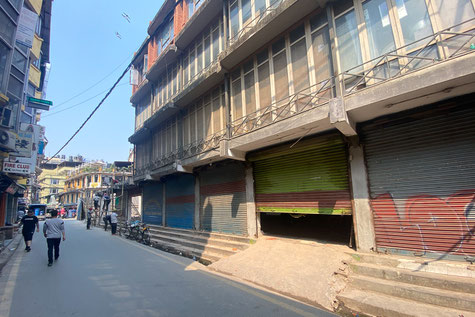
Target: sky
x=87, y=57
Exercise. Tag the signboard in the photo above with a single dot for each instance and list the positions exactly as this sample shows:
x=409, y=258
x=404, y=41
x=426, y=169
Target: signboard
x=17, y=168
x=24, y=143
x=39, y=103
x=26, y=27
x=31, y=159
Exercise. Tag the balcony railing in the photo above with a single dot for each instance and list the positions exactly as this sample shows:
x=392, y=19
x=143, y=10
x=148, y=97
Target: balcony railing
x=430, y=50
x=253, y=22
x=444, y=45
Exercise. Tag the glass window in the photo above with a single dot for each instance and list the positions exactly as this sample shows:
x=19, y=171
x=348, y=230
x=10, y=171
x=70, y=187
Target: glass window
x=280, y=76
x=348, y=41
x=454, y=12
x=300, y=65
x=250, y=92
x=190, y=6
x=192, y=64
x=15, y=86
x=199, y=58
x=246, y=11
x=7, y=27
x=234, y=18
x=260, y=6
x=4, y=51
x=264, y=85
x=321, y=54
x=207, y=51
x=215, y=44
x=216, y=112
x=414, y=20
x=378, y=25
x=237, y=99
x=207, y=113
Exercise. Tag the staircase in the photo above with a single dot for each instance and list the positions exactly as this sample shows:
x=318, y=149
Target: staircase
x=205, y=247
x=388, y=286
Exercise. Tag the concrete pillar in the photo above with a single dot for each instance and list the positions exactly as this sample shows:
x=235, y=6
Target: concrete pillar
x=197, y=203
x=362, y=213
x=250, y=203
x=164, y=205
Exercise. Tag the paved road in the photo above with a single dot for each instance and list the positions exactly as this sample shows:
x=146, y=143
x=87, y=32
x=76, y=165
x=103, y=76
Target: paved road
x=101, y=275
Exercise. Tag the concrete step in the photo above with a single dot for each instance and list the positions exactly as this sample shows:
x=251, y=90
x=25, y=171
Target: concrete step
x=439, y=281
x=221, y=250
x=417, y=293
x=205, y=257
x=220, y=236
x=201, y=239
x=375, y=304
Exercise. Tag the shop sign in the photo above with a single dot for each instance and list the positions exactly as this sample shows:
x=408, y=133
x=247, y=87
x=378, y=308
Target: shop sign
x=17, y=168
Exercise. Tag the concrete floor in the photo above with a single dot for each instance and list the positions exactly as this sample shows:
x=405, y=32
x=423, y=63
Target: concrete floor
x=101, y=275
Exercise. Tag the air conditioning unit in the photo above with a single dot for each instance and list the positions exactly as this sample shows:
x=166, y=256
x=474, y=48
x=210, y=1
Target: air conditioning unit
x=7, y=140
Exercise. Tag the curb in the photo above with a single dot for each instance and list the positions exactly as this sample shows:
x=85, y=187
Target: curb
x=9, y=250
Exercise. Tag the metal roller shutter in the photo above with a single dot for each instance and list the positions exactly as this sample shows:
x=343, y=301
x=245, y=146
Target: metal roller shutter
x=180, y=201
x=152, y=203
x=308, y=178
x=422, y=182
x=223, y=199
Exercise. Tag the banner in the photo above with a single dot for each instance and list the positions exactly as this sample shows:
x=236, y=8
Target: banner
x=26, y=27
x=17, y=168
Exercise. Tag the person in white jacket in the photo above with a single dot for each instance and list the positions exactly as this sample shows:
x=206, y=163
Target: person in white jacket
x=53, y=229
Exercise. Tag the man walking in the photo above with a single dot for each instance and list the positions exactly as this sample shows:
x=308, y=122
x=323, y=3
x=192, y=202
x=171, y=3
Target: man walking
x=29, y=222
x=113, y=216
x=53, y=229
x=89, y=218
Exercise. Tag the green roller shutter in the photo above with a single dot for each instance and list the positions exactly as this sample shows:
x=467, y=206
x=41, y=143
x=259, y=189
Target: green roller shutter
x=310, y=177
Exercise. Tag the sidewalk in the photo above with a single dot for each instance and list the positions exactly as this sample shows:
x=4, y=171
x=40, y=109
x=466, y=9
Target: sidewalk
x=301, y=269
x=9, y=249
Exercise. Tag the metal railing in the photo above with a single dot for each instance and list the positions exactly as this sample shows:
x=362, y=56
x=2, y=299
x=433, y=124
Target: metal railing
x=430, y=50
x=302, y=101
x=253, y=22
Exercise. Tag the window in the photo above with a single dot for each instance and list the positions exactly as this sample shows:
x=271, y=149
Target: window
x=298, y=50
x=414, y=20
x=454, y=12
x=250, y=94
x=348, y=42
x=236, y=94
x=378, y=25
x=53, y=191
x=54, y=181
x=7, y=27
x=96, y=178
x=281, y=79
x=19, y=61
x=263, y=73
x=4, y=51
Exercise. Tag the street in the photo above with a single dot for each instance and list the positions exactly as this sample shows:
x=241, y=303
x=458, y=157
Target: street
x=102, y=275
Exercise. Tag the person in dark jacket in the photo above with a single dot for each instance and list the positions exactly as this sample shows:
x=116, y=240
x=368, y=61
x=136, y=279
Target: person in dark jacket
x=89, y=218
x=29, y=222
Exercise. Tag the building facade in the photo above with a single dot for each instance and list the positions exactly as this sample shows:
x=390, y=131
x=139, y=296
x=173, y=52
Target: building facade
x=24, y=67
x=338, y=120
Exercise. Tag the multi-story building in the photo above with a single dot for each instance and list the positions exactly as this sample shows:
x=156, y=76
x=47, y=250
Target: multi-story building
x=311, y=118
x=83, y=181
x=52, y=179
x=24, y=67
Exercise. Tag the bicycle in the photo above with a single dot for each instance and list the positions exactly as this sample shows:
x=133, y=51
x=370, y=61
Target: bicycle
x=131, y=230
x=144, y=234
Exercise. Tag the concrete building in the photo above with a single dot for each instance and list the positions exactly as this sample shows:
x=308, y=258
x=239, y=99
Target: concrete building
x=332, y=120
x=24, y=67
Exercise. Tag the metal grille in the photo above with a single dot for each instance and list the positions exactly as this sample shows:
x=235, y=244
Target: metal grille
x=422, y=183
x=152, y=203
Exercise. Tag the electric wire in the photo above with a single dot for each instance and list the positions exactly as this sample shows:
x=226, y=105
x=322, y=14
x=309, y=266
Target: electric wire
x=94, y=85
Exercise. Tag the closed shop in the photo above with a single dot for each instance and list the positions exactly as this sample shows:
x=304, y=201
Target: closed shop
x=180, y=201
x=152, y=203
x=301, y=182
x=223, y=198
x=421, y=171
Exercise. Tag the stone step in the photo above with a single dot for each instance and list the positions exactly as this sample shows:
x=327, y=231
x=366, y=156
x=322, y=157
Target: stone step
x=221, y=250
x=427, y=295
x=205, y=257
x=375, y=304
x=220, y=236
x=439, y=281
x=202, y=239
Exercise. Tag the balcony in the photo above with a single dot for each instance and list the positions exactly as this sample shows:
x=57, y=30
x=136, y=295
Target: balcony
x=35, y=76
x=35, y=4
x=36, y=48
x=140, y=91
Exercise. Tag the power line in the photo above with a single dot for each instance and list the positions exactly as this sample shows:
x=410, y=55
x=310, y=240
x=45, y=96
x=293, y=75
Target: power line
x=92, y=113
x=100, y=81
x=49, y=114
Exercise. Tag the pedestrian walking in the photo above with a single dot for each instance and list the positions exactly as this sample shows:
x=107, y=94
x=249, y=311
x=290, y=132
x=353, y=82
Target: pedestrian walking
x=53, y=229
x=89, y=218
x=19, y=215
x=113, y=216
x=29, y=222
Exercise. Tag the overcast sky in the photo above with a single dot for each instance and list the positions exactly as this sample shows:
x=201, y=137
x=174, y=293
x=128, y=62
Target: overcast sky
x=91, y=45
